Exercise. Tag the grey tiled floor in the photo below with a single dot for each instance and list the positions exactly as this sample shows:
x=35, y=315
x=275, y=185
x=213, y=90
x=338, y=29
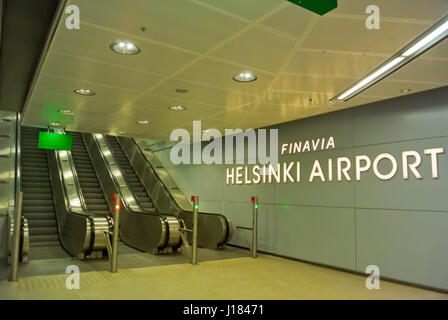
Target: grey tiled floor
x=128, y=258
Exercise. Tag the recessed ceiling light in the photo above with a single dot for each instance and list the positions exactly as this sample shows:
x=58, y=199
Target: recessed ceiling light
x=125, y=47
x=406, y=90
x=144, y=122
x=84, y=92
x=415, y=48
x=67, y=112
x=245, y=77
x=177, y=108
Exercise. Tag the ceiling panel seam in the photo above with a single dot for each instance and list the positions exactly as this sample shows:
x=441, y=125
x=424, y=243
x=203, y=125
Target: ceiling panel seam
x=208, y=52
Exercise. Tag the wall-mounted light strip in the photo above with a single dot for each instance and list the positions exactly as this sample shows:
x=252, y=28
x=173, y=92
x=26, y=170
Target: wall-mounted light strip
x=422, y=43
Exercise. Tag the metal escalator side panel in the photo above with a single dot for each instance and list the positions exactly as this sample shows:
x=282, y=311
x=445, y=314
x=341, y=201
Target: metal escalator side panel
x=162, y=198
x=74, y=229
x=137, y=190
x=140, y=230
x=214, y=230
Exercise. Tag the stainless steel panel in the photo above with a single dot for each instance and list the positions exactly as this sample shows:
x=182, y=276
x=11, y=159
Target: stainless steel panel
x=81, y=232
x=142, y=229
x=214, y=230
x=73, y=228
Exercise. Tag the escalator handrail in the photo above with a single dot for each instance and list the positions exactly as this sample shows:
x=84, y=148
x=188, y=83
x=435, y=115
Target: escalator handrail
x=157, y=175
x=89, y=216
x=162, y=182
x=117, y=185
x=167, y=190
x=75, y=179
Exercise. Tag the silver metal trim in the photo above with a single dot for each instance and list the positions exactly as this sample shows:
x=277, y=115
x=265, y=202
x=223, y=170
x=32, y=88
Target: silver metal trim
x=142, y=229
x=215, y=229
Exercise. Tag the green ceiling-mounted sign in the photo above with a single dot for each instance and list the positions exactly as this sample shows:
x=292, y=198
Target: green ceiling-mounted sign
x=54, y=141
x=317, y=6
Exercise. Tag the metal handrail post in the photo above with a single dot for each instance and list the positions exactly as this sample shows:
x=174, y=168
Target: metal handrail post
x=114, y=258
x=16, y=238
x=254, y=226
x=194, y=256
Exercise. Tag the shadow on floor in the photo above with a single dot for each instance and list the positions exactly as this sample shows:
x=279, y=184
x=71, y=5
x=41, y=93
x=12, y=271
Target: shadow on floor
x=127, y=258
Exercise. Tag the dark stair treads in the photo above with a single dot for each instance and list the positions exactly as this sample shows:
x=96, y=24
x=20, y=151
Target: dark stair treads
x=90, y=186
x=38, y=205
x=130, y=176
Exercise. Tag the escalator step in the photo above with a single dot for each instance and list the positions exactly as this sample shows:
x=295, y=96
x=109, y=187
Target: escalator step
x=36, y=179
x=36, y=184
x=93, y=196
x=43, y=238
x=42, y=223
x=33, y=190
x=38, y=203
x=141, y=194
x=34, y=173
x=45, y=244
x=41, y=216
x=43, y=231
x=97, y=207
x=90, y=185
x=95, y=201
x=30, y=209
x=92, y=190
x=87, y=179
x=35, y=196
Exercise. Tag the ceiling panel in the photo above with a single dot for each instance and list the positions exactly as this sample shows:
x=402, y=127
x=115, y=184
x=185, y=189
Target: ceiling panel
x=427, y=71
x=257, y=48
x=351, y=35
x=94, y=43
x=175, y=22
x=202, y=93
x=63, y=85
x=393, y=89
x=292, y=20
x=156, y=114
x=298, y=99
x=440, y=51
x=220, y=74
x=282, y=110
x=153, y=101
x=332, y=64
x=249, y=9
x=110, y=75
x=301, y=60
x=305, y=83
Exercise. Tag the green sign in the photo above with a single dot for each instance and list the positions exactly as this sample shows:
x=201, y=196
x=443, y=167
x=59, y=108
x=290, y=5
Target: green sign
x=317, y=6
x=54, y=141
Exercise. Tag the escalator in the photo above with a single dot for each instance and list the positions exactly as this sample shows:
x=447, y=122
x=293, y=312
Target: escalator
x=90, y=186
x=142, y=225
x=148, y=174
x=38, y=204
x=129, y=174
x=61, y=222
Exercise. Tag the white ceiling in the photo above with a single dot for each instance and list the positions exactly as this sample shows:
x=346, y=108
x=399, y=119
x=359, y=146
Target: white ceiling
x=301, y=61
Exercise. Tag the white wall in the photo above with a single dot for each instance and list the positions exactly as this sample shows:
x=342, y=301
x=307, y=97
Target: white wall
x=399, y=225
